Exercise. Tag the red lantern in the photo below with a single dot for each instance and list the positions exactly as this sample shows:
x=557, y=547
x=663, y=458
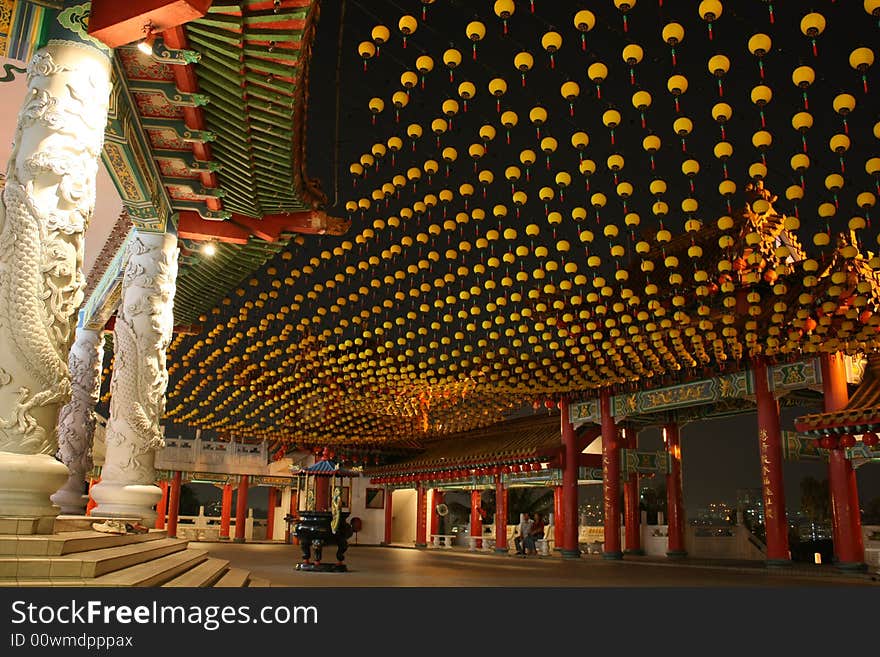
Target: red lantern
x=505, y=469
x=828, y=442
x=549, y=403
x=870, y=439
x=846, y=441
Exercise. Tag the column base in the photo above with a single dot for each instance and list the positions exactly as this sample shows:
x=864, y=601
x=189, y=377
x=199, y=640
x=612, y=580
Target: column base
x=421, y=545
x=851, y=567
x=502, y=550
x=571, y=554
x=777, y=563
x=70, y=497
x=636, y=552
x=126, y=500
x=224, y=538
x=676, y=554
x=237, y=540
x=26, y=482
x=612, y=556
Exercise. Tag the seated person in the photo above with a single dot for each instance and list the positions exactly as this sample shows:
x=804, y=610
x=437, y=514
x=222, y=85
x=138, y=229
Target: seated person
x=525, y=529
x=536, y=532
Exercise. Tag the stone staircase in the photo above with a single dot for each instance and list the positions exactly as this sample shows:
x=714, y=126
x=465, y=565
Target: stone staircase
x=84, y=557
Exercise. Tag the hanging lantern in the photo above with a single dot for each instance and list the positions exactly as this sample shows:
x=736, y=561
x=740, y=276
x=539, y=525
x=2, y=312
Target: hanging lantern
x=504, y=10
x=452, y=59
x=584, y=21
x=710, y=11
x=759, y=45
x=812, y=25
x=673, y=34
x=523, y=62
x=570, y=91
x=380, y=36
x=624, y=6
x=718, y=66
x=551, y=42
x=861, y=59
x=597, y=72
x=632, y=54
x=366, y=50
x=475, y=31
x=407, y=26
x=677, y=85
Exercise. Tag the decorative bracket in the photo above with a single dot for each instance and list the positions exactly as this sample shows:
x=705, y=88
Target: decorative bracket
x=165, y=55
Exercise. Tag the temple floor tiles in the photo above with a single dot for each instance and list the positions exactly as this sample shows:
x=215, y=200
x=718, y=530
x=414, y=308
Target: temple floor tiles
x=407, y=567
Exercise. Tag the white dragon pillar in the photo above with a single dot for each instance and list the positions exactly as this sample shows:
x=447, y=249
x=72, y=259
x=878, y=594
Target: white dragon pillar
x=141, y=335
x=47, y=201
x=76, y=422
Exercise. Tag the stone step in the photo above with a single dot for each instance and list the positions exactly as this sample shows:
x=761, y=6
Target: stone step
x=53, y=545
x=234, y=578
x=15, y=526
x=254, y=582
x=203, y=575
x=87, y=564
x=149, y=573
x=78, y=523
x=153, y=573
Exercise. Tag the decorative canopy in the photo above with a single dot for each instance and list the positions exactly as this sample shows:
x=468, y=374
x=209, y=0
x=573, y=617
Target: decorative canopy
x=544, y=200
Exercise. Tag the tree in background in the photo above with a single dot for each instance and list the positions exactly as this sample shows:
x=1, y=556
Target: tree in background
x=815, y=499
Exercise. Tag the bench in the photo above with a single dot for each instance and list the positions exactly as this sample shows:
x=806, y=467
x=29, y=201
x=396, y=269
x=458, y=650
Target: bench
x=441, y=540
x=487, y=545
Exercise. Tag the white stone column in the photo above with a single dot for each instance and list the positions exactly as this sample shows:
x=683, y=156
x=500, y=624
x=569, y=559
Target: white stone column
x=141, y=335
x=47, y=201
x=76, y=422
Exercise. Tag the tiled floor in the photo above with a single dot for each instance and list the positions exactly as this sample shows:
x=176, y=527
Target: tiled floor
x=402, y=567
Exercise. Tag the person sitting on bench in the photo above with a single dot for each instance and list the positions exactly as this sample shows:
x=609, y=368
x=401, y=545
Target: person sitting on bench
x=525, y=529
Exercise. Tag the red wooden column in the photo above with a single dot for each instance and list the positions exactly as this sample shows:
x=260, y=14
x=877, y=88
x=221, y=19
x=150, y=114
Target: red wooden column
x=241, y=509
x=558, y=518
x=610, y=478
x=174, y=505
x=226, y=512
x=162, y=506
x=674, y=507
x=270, y=518
x=91, y=504
x=500, y=515
x=438, y=498
x=389, y=497
x=421, y=517
x=476, y=520
x=849, y=546
x=631, y=503
x=569, y=494
x=770, y=443
x=294, y=511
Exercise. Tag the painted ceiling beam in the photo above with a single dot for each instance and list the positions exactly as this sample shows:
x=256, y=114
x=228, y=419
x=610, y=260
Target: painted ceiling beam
x=191, y=226
x=310, y=222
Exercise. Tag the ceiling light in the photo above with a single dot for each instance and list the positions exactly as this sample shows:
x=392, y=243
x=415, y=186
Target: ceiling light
x=209, y=249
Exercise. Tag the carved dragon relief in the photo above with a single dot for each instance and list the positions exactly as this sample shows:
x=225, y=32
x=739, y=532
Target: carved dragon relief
x=76, y=421
x=142, y=334
x=47, y=201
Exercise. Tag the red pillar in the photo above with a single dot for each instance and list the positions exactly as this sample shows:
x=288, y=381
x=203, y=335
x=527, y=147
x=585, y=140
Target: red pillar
x=322, y=493
x=674, y=507
x=91, y=504
x=162, y=506
x=241, y=509
x=476, y=520
x=849, y=547
x=174, y=505
x=389, y=497
x=438, y=498
x=558, y=517
x=226, y=511
x=770, y=442
x=500, y=515
x=421, y=516
x=569, y=493
x=631, y=502
x=270, y=518
x=610, y=478
x=294, y=511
